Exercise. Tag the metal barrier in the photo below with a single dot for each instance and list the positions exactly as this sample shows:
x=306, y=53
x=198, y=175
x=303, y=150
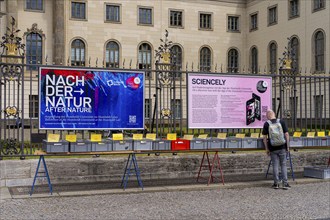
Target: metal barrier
x=301, y=99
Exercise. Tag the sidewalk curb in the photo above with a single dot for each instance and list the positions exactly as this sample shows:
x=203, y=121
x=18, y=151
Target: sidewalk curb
x=5, y=194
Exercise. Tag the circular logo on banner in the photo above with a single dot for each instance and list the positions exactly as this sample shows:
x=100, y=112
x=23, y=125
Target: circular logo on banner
x=133, y=82
x=262, y=86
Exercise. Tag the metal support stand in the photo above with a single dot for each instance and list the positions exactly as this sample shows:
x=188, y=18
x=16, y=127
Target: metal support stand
x=288, y=157
x=208, y=165
x=44, y=174
x=130, y=171
x=215, y=165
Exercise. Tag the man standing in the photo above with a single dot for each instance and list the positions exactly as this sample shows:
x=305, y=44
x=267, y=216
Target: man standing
x=276, y=141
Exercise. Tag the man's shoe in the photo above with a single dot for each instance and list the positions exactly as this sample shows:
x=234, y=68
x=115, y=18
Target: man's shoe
x=286, y=186
x=276, y=186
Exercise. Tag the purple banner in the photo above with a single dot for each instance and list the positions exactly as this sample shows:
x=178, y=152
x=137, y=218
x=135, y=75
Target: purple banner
x=223, y=101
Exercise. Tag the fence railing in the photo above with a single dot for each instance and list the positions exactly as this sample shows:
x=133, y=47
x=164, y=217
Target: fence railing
x=301, y=99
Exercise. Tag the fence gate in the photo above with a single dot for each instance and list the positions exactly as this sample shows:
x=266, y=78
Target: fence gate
x=12, y=94
x=167, y=112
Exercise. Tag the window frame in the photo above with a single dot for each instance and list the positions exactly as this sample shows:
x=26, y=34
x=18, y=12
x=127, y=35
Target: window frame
x=147, y=65
x=179, y=67
x=319, y=104
x=297, y=48
x=147, y=106
x=169, y=18
x=119, y=11
x=236, y=68
x=85, y=54
x=290, y=15
x=318, y=8
x=112, y=64
x=254, y=60
x=238, y=30
x=316, y=55
x=79, y=2
x=152, y=15
x=252, y=28
x=273, y=61
x=205, y=67
x=200, y=13
x=34, y=106
x=42, y=10
x=35, y=43
x=270, y=8
x=176, y=107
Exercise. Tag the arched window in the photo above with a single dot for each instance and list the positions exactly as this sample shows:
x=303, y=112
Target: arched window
x=319, y=51
x=295, y=53
x=33, y=49
x=78, y=53
x=205, y=59
x=177, y=58
x=145, y=58
x=273, y=58
x=112, y=54
x=254, y=60
x=232, y=66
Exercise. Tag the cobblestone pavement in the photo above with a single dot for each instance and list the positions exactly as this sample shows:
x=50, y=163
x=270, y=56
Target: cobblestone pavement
x=302, y=201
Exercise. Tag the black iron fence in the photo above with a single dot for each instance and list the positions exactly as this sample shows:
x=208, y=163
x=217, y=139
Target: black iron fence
x=301, y=99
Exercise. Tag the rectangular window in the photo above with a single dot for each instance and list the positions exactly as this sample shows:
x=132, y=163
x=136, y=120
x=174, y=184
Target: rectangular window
x=33, y=106
x=175, y=18
x=78, y=10
x=318, y=103
x=205, y=21
x=145, y=16
x=233, y=23
x=272, y=15
x=34, y=5
x=112, y=13
x=318, y=5
x=176, y=108
x=254, y=22
x=293, y=8
x=147, y=108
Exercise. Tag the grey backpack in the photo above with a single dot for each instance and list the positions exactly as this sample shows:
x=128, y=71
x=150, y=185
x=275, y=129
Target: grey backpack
x=275, y=133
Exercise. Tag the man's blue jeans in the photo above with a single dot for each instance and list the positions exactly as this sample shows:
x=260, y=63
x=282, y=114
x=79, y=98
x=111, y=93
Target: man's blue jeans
x=278, y=158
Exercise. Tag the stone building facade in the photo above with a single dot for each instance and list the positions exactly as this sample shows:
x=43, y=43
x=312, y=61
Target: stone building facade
x=210, y=35
x=237, y=34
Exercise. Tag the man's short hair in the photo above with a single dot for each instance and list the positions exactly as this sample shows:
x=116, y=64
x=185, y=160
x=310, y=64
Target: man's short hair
x=270, y=114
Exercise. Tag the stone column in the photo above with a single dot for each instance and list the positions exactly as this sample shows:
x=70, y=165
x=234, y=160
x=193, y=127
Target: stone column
x=59, y=32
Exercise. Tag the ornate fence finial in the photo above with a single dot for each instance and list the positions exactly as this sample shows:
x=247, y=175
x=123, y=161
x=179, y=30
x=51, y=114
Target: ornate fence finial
x=164, y=52
x=287, y=61
x=11, y=43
